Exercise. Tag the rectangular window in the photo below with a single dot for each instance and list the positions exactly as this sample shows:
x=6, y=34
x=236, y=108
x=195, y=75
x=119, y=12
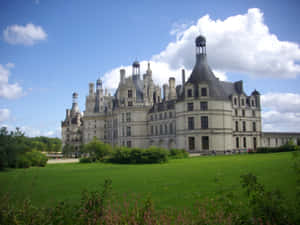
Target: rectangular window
x=204, y=122
x=237, y=142
x=244, y=126
x=203, y=91
x=170, y=114
x=155, y=116
x=129, y=93
x=128, y=131
x=128, y=117
x=254, y=126
x=160, y=129
x=236, y=112
x=205, y=142
x=165, y=115
x=171, y=128
x=243, y=102
x=130, y=103
x=151, y=117
x=190, y=106
x=243, y=112
x=152, y=130
x=166, y=129
x=235, y=102
x=236, y=126
x=191, y=143
x=156, y=130
x=190, y=93
x=253, y=113
x=160, y=116
x=252, y=102
x=245, y=142
x=123, y=117
x=254, y=143
x=129, y=144
x=203, y=106
x=191, y=123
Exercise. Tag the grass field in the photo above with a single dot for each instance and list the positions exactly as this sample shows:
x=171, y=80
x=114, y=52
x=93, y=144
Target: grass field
x=176, y=184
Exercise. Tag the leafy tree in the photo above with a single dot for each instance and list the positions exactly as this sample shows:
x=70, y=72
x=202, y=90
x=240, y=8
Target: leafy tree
x=97, y=149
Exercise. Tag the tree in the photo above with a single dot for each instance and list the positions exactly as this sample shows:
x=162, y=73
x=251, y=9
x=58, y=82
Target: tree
x=97, y=149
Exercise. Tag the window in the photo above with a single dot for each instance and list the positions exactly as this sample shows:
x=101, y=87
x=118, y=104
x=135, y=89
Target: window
x=203, y=106
x=165, y=115
x=243, y=112
x=252, y=103
x=236, y=126
x=123, y=131
x=128, y=131
x=191, y=143
x=160, y=116
x=160, y=129
x=203, y=91
x=253, y=113
x=190, y=106
x=254, y=126
x=235, y=102
x=254, y=143
x=129, y=93
x=205, y=142
x=152, y=130
x=155, y=116
x=244, y=126
x=243, y=102
x=128, y=117
x=245, y=142
x=130, y=103
x=237, y=142
x=236, y=112
x=166, y=129
x=170, y=114
x=191, y=123
x=171, y=128
x=129, y=144
x=123, y=117
x=204, y=122
x=156, y=130
x=190, y=93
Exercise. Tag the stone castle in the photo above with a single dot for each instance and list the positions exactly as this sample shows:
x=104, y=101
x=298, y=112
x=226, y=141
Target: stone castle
x=202, y=115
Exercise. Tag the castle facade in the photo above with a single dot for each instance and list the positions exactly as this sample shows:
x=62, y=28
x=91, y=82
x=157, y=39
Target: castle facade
x=202, y=114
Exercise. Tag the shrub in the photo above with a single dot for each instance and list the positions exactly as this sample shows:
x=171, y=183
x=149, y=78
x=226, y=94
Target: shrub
x=37, y=158
x=178, y=153
x=85, y=160
x=23, y=162
x=97, y=149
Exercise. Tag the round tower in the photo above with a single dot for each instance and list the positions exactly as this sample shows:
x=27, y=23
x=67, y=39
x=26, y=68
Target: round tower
x=135, y=70
x=200, y=45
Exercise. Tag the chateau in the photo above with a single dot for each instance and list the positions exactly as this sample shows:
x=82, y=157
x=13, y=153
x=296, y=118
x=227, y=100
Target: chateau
x=202, y=114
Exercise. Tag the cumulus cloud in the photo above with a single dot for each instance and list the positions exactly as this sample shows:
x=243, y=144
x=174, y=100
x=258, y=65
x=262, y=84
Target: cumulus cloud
x=240, y=43
x=4, y=115
x=25, y=35
x=161, y=72
x=7, y=90
x=282, y=112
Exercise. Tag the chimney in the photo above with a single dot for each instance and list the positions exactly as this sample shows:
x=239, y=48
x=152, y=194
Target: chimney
x=105, y=94
x=166, y=92
x=91, y=89
x=172, y=90
x=122, y=75
x=183, y=76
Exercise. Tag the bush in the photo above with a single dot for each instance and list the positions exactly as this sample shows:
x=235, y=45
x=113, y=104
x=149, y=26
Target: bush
x=85, y=160
x=23, y=162
x=97, y=149
x=288, y=147
x=37, y=158
x=137, y=155
x=178, y=153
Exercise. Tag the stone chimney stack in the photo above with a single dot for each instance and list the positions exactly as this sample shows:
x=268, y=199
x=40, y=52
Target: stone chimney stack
x=172, y=90
x=183, y=76
x=91, y=89
x=166, y=92
x=122, y=75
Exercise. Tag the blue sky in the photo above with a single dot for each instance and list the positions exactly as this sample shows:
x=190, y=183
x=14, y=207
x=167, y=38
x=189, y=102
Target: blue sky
x=49, y=49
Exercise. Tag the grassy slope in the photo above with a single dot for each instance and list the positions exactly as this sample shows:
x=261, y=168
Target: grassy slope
x=175, y=184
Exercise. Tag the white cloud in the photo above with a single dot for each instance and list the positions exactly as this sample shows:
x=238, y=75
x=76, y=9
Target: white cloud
x=161, y=72
x=26, y=35
x=4, y=115
x=9, y=91
x=282, y=112
x=240, y=43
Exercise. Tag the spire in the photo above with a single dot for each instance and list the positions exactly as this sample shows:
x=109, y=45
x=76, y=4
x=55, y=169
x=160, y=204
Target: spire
x=75, y=107
x=149, y=71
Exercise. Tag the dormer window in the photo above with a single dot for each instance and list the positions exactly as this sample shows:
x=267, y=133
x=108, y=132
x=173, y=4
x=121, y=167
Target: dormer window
x=243, y=102
x=130, y=103
x=235, y=101
x=129, y=93
x=252, y=103
x=203, y=91
x=190, y=93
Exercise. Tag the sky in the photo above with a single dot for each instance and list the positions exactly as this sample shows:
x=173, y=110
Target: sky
x=52, y=48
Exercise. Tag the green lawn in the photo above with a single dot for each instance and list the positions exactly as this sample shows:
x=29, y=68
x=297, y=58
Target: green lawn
x=176, y=184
